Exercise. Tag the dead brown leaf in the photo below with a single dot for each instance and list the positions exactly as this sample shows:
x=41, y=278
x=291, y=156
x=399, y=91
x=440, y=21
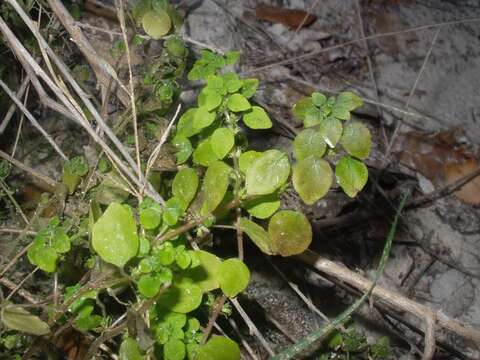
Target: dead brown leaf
x=291, y=18
x=442, y=159
x=470, y=193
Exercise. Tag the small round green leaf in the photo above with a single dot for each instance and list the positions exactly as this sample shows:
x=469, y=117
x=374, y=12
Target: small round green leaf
x=318, y=99
x=357, y=140
x=257, y=118
x=149, y=285
x=185, y=185
x=185, y=125
x=303, y=107
x=215, y=185
x=19, y=319
x=174, y=349
x=203, y=118
x=352, y=175
x=247, y=158
x=238, y=102
x=114, y=235
x=182, y=298
x=346, y=102
x=204, y=274
x=219, y=348
x=156, y=23
x=129, y=350
x=264, y=206
x=259, y=236
x=150, y=214
x=290, y=232
x=174, y=208
x=267, y=173
x=233, y=277
x=209, y=99
x=249, y=87
x=183, y=148
x=232, y=82
x=43, y=256
x=309, y=142
x=217, y=84
x=204, y=154
x=222, y=141
x=312, y=178
x=331, y=130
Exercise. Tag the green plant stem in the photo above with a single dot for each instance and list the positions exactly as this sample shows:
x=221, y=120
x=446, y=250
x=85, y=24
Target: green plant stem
x=188, y=226
x=295, y=351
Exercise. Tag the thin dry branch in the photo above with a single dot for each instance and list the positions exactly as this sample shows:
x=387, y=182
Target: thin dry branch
x=32, y=119
x=251, y=325
x=121, y=18
x=410, y=96
x=389, y=297
x=69, y=102
x=52, y=184
x=11, y=109
x=23, y=293
x=103, y=70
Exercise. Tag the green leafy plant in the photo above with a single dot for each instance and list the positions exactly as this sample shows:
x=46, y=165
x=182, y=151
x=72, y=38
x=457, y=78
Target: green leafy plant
x=155, y=256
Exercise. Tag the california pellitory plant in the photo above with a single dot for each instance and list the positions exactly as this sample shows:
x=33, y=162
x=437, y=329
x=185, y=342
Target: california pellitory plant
x=154, y=257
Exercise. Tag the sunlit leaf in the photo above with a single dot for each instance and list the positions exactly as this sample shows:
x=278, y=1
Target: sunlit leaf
x=217, y=84
x=238, y=102
x=249, y=87
x=351, y=174
x=183, y=148
x=156, y=23
x=309, y=142
x=312, y=178
x=209, y=99
x=174, y=349
x=290, y=232
x=267, y=173
x=19, y=319
x=258, y=235
x=185, y=125
x=150, y=213
x=114, y=235
x=318, y=99
x=204, y=274
x=181, y=298
x=303, y=107
x=219, y=348
x=257, y=118
x=185, y=185
x=232, y=82
x=331, y=130
x=232, y=57
x=222, y=141
x=174, y=208
x=357, y=140
x=129, y=350
x=215, y=185
x=246, y=159
x=204, y=154
x=264, y=206
x=233, y=276
x=149, y=285
x=346, y=102
x=203, y=118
